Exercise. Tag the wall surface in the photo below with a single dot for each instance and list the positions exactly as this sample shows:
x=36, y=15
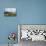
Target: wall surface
x=28, y=12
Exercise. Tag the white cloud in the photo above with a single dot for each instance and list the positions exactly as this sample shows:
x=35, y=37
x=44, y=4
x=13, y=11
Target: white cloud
x=10, y=9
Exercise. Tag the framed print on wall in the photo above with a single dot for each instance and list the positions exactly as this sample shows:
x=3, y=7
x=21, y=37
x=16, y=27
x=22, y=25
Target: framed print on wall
x=10, y=12
x=32, y=32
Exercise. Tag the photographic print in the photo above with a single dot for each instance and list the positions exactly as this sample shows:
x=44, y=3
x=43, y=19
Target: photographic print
x=33, y=32
x=10, y=12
